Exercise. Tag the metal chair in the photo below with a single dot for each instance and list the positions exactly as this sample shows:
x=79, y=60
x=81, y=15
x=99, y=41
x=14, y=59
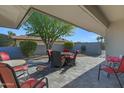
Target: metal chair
x=5, y=56
x=9, y=79
x=112, y=70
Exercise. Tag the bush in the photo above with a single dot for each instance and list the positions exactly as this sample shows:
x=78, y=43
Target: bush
x=6, y=41
x=28, y=47
x=69, y=45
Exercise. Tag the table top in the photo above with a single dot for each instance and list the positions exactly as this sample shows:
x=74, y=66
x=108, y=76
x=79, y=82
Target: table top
x=67, y=53
x=14, y=63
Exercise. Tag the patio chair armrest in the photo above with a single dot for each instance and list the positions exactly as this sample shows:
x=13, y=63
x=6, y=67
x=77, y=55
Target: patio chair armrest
x=44, y=78
x=107, y=66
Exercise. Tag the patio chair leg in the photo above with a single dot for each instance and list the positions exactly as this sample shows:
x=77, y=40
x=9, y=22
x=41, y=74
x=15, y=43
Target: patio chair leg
x=47, y=84
x=99, y=72
x=118, y=80
x=28, y=74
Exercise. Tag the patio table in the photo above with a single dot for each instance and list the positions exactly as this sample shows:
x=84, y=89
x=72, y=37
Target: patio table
x=14, y=63
x=67, y=53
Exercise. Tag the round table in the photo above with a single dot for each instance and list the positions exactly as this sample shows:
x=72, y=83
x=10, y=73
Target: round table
x=67, y=53
x=15, y=63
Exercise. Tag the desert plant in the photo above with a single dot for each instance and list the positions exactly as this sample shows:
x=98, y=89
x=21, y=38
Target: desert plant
x=28, y=47
x=6, y=41
x=68, y=45
x=48, y=28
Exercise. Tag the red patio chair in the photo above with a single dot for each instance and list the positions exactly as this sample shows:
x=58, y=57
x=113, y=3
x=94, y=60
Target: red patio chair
x=66, y=50
x=9, y=79
x=49, y=52
x=113, y=59
x=43, y=67
x=71, y=59
x=5, y=56
x=113, y=70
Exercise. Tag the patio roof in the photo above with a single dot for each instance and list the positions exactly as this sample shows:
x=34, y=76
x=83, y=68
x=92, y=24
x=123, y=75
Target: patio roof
x=90, y=18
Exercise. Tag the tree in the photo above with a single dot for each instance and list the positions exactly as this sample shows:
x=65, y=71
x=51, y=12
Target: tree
x=48, y=28
x=10, y=33
x=100, y=39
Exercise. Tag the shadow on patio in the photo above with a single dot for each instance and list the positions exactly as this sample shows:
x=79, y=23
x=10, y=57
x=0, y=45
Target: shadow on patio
x=89, y=80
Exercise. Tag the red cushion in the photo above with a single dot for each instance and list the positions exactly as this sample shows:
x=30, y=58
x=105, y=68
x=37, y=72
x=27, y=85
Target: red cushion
x=109, y=69
x=20, y=68
x=66, y=50
x=4, y=56
x=31, y=82
x=69, y=57
x=113, y=59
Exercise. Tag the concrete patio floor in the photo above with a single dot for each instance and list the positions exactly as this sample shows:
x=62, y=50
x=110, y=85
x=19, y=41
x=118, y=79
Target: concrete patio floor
x=83, y=75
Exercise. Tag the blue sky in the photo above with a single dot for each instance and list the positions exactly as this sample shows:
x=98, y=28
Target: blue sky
x=79, y=34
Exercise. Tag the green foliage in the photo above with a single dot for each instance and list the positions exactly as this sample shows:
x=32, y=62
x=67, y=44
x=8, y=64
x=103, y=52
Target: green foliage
x=48, y=28
x=28, y=47
x=69, y=45
x=6, y=41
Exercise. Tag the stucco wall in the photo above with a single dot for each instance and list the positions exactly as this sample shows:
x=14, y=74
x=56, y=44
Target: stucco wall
x=91, y=48
x=42, y=50
x=14, y=52
x=115, y=39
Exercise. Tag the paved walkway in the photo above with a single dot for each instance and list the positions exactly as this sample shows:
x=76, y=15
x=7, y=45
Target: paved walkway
x=66, y=76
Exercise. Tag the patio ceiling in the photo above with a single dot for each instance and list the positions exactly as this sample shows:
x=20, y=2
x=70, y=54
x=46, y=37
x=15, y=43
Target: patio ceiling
x=113, y=12
x=91, y=18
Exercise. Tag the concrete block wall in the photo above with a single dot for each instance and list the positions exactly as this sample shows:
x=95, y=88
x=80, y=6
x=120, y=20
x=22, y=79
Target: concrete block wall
x=91, y=49
x=14, y=52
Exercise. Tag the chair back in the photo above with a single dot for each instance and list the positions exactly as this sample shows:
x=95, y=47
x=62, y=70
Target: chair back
x=49, y=52
x=8, y=77
x=121, y=66
x=76, y=52
x=113, y=59
x=66, y=50
x=4, y=56
x=56, y=59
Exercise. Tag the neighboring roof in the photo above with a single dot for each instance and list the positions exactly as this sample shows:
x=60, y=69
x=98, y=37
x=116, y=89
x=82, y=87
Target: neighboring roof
x=24, y=37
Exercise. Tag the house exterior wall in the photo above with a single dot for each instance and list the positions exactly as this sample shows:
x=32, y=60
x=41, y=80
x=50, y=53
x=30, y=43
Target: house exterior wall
x=115, y=39
x=91, y=48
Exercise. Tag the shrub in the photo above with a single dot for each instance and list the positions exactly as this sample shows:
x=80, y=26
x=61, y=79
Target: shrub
x=28, y=47
x=6, y=41
x=69, y=45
